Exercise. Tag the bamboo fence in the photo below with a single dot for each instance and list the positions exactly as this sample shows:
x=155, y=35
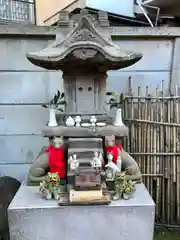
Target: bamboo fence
x=154, y=142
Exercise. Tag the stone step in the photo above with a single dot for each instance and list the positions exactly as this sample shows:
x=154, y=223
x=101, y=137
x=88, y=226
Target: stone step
x=85, y=143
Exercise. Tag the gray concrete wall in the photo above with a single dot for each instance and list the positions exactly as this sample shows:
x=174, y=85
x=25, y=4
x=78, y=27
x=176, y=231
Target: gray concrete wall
x=23, y=85
x=154, y=67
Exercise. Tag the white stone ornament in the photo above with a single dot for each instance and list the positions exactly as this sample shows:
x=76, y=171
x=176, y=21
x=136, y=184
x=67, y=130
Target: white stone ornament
x=93, y=121
x=70, y=122
x=78, y=121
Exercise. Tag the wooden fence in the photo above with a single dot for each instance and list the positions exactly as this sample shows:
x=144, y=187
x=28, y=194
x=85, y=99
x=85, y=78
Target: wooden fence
x=154, y=142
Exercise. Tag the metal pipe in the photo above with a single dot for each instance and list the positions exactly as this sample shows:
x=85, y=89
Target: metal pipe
x=157, y=17
x=133, y=20
x=157, y=14
x=145, y=14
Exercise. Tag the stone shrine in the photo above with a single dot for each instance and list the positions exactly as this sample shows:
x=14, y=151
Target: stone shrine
x=83, y=154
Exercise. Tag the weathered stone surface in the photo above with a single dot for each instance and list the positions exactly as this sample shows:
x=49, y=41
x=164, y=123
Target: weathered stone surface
x=85, y=142
x=81, y=131
x=125, y=219
x=86, y=45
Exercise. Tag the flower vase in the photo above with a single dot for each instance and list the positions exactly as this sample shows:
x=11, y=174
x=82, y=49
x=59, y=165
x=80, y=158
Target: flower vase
x=52, y=118
x=118, y=119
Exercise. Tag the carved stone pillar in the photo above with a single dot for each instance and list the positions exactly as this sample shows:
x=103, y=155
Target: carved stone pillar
x=63, y=19
x=85, y=93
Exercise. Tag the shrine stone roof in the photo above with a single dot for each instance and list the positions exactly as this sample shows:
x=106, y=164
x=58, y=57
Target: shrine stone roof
x=84, y=46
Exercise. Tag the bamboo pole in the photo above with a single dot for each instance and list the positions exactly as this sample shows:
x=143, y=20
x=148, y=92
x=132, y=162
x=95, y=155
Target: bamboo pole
x=156, y=154
x=152, y=175
x=126, y=115
x=177, y=160
x=156, y=162
x=148, y=142
x=154, y=122
x=139, y=128
x=142, y=127
x=145, y=133
x=171, y=164
x=151, y=149
x=162, y=160
x=168, y=149
x=132, y=116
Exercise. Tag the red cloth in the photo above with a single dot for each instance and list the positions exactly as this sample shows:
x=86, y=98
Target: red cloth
x=57, y=163
x=114, y=151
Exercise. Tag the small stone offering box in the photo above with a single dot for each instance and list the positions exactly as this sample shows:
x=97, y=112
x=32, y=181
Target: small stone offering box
x=33, y=218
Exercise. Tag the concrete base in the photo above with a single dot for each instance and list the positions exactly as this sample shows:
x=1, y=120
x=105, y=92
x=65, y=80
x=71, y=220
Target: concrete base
x=33, y=218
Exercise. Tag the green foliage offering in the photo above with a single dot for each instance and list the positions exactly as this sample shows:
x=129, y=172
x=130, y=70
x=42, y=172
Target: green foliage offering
x=56, y=101
x=53, y=179
x=50, y=188
x=113, y=100
x=123, y=186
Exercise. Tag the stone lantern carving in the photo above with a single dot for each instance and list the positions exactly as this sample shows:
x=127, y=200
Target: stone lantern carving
x=84, y=56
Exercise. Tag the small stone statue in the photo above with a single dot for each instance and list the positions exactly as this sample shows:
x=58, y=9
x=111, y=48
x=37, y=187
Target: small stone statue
x=111, y=167
x=52, y=160
x=74, y=164
x=123, y=187
x=97, y=160
x=69, y=162
x=123, y=160
x=50, y=187
x=101, y=157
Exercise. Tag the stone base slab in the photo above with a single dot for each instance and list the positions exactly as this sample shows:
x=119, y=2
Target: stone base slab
x=33, y=218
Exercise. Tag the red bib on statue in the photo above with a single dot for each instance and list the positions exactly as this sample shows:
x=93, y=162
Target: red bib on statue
x=114, y=151
x=57, y=163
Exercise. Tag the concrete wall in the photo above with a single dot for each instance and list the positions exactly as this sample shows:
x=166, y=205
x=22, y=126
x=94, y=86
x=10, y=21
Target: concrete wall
x=22, y=83
x=25, y=85
x=154, y=67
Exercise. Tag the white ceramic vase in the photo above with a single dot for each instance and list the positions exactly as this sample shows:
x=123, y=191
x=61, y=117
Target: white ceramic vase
x=78, y=121
x=93, y=121
x=118, y=119
x=70, y=122
x=52, y=118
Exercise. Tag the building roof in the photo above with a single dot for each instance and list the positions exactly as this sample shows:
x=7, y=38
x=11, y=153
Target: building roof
x=86, y=45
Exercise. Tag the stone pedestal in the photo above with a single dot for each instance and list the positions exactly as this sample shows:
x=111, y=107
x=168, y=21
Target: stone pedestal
x=33, y=218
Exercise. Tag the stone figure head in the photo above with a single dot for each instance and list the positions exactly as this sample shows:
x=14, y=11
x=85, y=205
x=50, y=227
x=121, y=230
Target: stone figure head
x=57, y=142
x=110, y=141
